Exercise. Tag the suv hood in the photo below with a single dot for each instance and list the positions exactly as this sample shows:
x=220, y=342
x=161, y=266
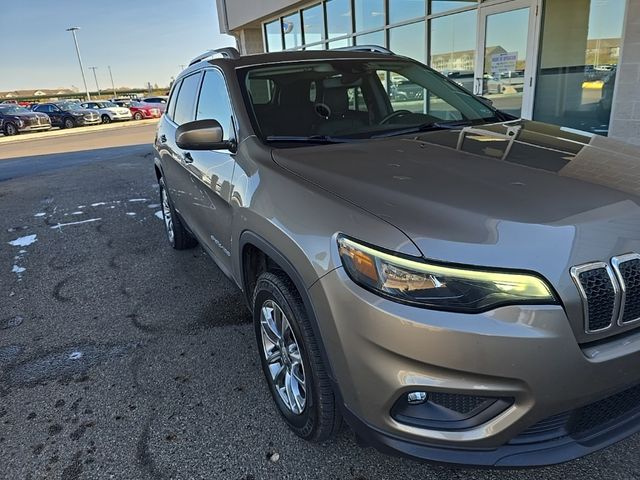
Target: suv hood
x=516, y=195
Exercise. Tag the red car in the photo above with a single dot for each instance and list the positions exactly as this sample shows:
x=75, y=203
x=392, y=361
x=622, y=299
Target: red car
x=141, y=111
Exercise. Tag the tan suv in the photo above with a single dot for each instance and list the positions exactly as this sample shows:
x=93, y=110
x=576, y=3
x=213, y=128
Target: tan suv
x=457, y=284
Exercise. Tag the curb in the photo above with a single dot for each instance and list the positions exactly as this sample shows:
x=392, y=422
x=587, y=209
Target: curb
x=25, y=137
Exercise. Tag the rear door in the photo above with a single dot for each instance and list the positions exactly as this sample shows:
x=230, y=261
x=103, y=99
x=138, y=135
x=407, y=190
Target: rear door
x=174, y=160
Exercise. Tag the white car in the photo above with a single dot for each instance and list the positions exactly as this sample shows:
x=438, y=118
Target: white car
x=109, y=111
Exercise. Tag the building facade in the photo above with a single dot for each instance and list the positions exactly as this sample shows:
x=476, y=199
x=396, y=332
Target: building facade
x=574, y=63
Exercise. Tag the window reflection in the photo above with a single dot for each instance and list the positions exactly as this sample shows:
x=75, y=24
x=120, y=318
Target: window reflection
x=369, y=14
x=338, y=17
x=292, y=31
x=408, y=40
x=453, y=46
x=577, y=72
x=400, y=10
x=313, y=24
x=273, y=32
x=438, y=6
x=373, y=38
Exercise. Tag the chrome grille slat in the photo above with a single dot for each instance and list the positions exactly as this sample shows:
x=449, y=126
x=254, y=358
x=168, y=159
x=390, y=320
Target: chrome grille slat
x=600, y=294
x=627, y=269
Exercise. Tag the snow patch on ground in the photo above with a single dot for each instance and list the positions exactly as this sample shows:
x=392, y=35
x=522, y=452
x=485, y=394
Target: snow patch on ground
x=138, y=199
x=40, y=214
x=153, y=205
x=24, y=241
x=159, y=214
x=79, y=212
x=17, y=269
x=97, y=204
x=131, y=214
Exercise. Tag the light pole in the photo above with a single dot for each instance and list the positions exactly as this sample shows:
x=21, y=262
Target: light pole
x=112, y=84
x=95, y=77
x=73, y=31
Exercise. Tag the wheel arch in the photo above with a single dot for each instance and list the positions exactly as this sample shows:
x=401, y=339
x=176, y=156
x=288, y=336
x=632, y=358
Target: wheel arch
x=249, y=239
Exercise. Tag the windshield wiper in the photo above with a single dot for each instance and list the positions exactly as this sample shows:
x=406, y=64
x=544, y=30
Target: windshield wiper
x=430, y=126
x=321, y=139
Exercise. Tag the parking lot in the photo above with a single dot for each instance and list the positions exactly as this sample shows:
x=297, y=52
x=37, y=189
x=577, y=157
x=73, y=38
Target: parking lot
x=121, y=358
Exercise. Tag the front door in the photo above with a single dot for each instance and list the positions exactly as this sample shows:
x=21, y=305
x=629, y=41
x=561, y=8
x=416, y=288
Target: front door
x=506, y=60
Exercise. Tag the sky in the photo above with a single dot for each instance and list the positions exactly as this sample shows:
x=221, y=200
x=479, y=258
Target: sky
x=143, y=41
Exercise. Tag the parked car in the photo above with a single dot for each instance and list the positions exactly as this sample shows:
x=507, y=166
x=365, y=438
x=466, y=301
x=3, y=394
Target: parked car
x=109, y=111
x=506, y=82
x=404, y=90
x=160, y=102
x=68, y=114
x=141, y=111
x=9, y=102
x=15, y=119
x=462, y=290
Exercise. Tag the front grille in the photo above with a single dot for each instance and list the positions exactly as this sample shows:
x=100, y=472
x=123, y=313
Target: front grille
x=627, y=268
x=600, y=295
x=586, y=420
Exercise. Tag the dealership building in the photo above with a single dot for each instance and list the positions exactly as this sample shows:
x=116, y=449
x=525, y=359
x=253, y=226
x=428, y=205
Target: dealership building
x=574, y=63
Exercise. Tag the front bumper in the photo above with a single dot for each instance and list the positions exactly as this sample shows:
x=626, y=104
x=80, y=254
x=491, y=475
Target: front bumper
x=85, y=121
x=34, y=128
x=121, y=116
x=380, y=350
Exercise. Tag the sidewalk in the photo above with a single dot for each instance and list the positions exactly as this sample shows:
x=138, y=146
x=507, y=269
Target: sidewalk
x=75, y=131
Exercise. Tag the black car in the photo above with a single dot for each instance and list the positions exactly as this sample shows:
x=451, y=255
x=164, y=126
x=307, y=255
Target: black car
x=68, y=114
x=15, y=119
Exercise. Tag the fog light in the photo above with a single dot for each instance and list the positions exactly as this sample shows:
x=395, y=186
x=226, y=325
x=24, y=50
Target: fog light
x=416, y=398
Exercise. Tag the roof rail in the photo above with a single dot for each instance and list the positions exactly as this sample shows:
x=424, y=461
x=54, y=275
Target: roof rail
x=227, y=52
x=366, y=48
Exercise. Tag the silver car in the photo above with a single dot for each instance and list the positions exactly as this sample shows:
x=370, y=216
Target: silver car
x=457, y=284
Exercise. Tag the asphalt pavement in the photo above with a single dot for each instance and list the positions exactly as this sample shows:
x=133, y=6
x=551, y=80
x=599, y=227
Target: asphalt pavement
x=121, y=358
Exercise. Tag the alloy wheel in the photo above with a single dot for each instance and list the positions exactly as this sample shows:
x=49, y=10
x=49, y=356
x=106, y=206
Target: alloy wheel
x=11, y=129
x=284, y=360
x=166, y=214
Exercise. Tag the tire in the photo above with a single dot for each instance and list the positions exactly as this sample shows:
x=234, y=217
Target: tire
x=138, y=116
x=177, y=235
x=318, y=418
x=106, y=119
x=68, y=123
x=10, y=130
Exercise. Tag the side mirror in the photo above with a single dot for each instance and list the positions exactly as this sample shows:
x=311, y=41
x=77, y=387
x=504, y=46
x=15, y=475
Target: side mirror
x=202, y=135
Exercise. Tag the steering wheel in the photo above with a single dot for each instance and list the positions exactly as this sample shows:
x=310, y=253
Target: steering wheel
x=398, y=113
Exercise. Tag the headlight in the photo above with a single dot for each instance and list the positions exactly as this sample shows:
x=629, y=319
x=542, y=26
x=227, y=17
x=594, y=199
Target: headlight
x=77, y=114
x=439, y=286
x=20, y=122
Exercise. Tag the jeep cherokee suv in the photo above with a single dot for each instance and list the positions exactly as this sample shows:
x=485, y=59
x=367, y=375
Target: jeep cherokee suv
x=457, y=284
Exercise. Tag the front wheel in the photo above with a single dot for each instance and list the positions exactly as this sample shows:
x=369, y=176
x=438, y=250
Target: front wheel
x=178, y=236
x=138, y=116
x=291, y=360
x=106, y=119
x=69, y=123
x=10, y=129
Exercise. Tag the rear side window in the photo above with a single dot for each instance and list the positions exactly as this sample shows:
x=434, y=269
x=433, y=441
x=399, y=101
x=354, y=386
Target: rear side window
x=186, y=100
x=214, y=102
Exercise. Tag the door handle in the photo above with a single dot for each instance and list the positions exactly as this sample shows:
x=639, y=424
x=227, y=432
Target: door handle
x=163, y=138
x=188, y=158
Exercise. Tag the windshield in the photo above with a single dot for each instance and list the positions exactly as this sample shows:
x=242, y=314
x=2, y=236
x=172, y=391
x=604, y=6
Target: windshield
x=13, y=110
x=355, y=99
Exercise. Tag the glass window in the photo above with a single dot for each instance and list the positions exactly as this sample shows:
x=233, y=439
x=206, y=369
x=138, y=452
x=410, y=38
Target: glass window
x=345, y=42
x=438, y=6
x=400, y=10
x=357, y=102
x=261, y=90
x=292, y=31
x=373, y=38
x=313, y=24
x=273, y=32
x=369, y=14
x=453, y=46
x=319, y=46
x=577, y=71
x=408, y=40
x=338, y=17
x=186, y=100
x=214, y=102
